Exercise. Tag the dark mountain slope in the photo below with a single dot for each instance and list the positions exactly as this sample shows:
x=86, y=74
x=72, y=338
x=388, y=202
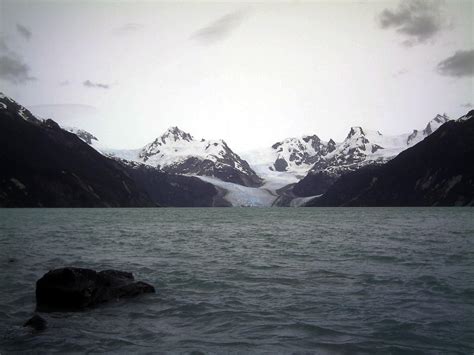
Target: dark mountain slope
x=174, y=190
x=43, y=165
x=438, y=171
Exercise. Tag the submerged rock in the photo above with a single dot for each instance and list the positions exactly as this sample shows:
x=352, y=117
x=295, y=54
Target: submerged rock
x=74, y=289
x=36, y=323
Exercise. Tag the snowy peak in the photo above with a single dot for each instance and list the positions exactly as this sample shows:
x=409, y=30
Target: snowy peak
x=355, y=132
x=467, y=116
x=358, y=145
x=301, y=143
x=362, y=147
x=175, y=134
x=11, y=106
x=358, y=131
x=435, y=123
x=297, y=153
x=172, y=136
x=417, y=136
x=178, y=152
x=87, y=137
x=176, y=144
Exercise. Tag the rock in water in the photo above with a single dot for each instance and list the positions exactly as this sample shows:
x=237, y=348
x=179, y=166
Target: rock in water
x=36, y=322
x=74, y=289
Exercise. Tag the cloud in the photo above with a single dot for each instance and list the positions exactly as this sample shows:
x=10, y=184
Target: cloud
x=12, y=66
x=219, y=29
x=23, y=31
x=128, y=28
x=416, y=20
x=64, y=83
x=458, y=65
x=91, y=84
x=3, y=46
x=467, y=105
x=400, y=72
x=14, y=70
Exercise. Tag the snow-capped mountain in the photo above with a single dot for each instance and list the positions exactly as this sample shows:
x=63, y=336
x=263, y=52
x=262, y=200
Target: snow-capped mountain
x=289, y=173
x=297, y=156
x=433, y=125
x=176, y=151
x=293, y=154
x=467, y=116
x=438, y=171
x=11, y=106
x=45, y=166
x=7, y=103
x=87, y=137
x=361, y=147
x=265, y=176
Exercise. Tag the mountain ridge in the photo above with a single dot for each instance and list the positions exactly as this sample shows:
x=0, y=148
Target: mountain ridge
x=438, y=171
x=44, y=165
x=175, y=166
x=361, y=147
x=176, y=151
x=294, y=168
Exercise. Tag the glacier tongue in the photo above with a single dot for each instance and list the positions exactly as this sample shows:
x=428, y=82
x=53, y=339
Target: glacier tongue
x=243, y=196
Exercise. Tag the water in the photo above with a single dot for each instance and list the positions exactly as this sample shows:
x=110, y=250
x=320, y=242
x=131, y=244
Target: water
x=332, y=281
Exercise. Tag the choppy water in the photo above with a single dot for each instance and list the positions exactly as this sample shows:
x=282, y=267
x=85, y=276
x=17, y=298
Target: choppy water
x=318, y=280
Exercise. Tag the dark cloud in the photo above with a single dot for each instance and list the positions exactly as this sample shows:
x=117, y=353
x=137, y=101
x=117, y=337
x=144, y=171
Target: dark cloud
x=3, y=46
x=12, y=66
x=23, y=31
x=416, y=20
x=14, y=70
x=128, y=28
x=91, y=84
x=219, y=29
x=458, y=65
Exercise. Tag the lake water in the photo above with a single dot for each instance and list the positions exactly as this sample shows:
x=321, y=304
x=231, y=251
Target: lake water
x=335, y=281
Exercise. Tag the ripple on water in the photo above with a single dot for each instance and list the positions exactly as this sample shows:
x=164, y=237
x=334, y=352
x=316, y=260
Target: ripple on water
x=249, y=280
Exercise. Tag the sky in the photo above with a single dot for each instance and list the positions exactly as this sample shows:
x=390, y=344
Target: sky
x=249, y=73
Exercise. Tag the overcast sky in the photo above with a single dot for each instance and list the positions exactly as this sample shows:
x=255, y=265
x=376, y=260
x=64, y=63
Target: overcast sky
x=250, y=73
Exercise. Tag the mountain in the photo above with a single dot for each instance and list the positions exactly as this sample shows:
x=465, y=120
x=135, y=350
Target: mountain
x=432, y=126
x=178, y=152
x=295, y=156
x=87, y=137
x=43, y=165
x=299, y=154
x=37, y=153
x=438, y=171
x=361, y=147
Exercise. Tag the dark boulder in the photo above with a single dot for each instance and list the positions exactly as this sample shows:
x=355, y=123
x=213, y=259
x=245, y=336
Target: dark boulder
x=74, y=289
x=36, y=323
